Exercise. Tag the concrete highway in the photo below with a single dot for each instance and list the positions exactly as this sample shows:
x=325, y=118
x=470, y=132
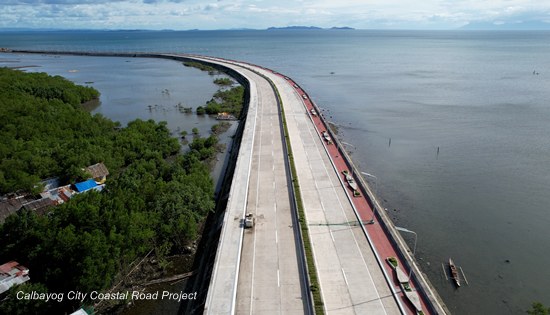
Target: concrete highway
x=269, y=275
x=262, y=270
x=259, y=270
x=349, y=257
x=350, y=278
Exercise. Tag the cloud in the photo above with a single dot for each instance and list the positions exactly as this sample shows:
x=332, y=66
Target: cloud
x=215, y=14
x=163, y=1
x=58, y=2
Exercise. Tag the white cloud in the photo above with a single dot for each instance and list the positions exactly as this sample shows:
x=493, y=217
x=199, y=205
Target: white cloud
x=214, y=14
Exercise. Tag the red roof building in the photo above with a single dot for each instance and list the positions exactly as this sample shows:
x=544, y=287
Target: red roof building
x=12, y=273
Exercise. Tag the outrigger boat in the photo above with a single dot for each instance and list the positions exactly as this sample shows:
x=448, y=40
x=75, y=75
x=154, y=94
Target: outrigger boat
x=454, y=272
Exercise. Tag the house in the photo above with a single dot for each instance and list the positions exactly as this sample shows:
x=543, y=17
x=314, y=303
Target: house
x=49, y=184
x=98, y=172
x=88, y=185
x=40, y=206
x=12, y=273
x=11, y=205
x=84, y=186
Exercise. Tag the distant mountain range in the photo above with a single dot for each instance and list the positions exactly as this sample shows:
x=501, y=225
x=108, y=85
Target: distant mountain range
x=14, y=29
x=507, y=26
x=308, y=28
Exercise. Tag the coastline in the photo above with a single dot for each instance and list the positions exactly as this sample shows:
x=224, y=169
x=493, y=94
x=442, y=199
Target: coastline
x=387, y=223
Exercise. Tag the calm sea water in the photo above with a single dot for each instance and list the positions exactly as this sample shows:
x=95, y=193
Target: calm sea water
x=483, y=200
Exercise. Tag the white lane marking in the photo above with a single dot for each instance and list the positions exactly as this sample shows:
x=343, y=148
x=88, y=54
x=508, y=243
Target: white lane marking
x=332, y=236
x=345, y=278
x=260, y=107
x=326, y=156
x=276, y=236
x=278, y=279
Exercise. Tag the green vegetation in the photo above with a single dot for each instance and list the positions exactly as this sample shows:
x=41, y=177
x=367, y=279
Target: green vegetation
x=538, y=308
x=229, y=101
x=201, y=66
x=220, y=127
x=393, y=261
x=185, y=110
x=26, y=307
x=155, y=198
x=195, y=131
x=39, y=114
x=310, y=261
x=223, y=81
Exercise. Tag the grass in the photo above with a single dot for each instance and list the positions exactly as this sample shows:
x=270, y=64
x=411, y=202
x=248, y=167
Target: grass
x=201, y=66
x=313, y=279
x=223, y=81
x=220, y=127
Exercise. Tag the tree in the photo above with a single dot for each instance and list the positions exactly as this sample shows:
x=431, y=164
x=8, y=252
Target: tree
x=15, y=306
x=538, y=308
x=155, y=197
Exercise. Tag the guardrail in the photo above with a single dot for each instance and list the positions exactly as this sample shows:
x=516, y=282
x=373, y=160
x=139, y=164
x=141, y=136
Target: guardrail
x=431, y=298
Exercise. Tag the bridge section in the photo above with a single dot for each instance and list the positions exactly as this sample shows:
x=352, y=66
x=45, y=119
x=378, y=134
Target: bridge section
x=349, y=256
x=259, y=270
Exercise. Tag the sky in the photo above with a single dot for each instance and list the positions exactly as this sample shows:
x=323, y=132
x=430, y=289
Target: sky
x=260, y=14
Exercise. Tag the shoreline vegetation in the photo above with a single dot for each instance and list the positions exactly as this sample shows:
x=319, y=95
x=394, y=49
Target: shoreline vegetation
x=201, y=66
x=226, y=100
x=155, y=200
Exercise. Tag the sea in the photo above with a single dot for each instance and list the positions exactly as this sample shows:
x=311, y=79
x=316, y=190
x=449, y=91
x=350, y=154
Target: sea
x=454, y=125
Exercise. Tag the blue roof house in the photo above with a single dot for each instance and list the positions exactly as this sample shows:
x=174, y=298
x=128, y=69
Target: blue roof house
x=85, y=186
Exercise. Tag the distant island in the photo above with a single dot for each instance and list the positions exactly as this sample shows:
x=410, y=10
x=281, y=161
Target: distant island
x=308, y=28
x=296, y=27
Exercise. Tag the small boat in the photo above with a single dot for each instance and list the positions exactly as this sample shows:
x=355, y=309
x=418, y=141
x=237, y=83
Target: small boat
x=454, y=272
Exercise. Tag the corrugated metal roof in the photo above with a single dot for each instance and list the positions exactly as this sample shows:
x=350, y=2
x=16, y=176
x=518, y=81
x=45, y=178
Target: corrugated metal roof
x=80, y=312
x=87, y=185
x=39, y=204
x=12, y=273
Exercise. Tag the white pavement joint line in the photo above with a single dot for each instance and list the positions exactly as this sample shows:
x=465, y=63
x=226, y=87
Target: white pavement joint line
x=316, y=262
x=297, y=228
x=390, y=283
x=344, y=215
x=244, y=204
x=336, y=172
x=242, y=158
x=260, y=107
x=345, y=278
x=275, y=187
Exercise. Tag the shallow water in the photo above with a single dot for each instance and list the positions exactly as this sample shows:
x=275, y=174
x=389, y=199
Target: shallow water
x=482, y=201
